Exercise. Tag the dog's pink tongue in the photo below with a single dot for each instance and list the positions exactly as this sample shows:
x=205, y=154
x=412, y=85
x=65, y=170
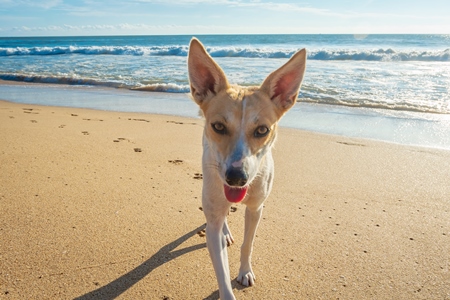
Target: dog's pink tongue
x=234, y=194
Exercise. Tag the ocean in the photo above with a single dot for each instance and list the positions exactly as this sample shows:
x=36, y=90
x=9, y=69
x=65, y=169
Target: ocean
x=387, y=87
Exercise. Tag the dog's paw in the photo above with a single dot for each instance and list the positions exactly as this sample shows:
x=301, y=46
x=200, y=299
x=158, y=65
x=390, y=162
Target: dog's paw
x=246, y=278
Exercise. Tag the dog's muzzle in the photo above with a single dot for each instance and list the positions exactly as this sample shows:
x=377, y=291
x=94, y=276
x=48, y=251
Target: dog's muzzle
x=236, y=177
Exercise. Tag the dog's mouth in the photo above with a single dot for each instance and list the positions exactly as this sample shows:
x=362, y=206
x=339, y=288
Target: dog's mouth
x=235, y=194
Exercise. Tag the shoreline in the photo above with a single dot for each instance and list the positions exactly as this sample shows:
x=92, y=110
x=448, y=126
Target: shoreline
x=87, y=216
x=399, y=127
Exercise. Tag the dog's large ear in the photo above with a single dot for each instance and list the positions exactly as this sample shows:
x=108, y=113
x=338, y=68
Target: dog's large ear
x=283, y=85
x=206, y=78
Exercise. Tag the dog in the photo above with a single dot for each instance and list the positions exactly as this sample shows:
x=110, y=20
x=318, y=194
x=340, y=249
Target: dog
x=239, y=133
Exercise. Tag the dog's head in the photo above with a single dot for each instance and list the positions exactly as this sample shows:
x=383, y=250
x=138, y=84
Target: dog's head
x=241, y=122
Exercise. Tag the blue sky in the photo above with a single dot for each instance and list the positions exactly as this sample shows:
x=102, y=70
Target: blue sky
x=89, y=17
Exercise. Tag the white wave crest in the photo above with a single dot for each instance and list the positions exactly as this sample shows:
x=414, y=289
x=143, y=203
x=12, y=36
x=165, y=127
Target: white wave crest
x=163, y=87
x=436, y=108
x=381, y=55
x=75, y=80
x=71, y=80
x=231, y=51
x=96, y=50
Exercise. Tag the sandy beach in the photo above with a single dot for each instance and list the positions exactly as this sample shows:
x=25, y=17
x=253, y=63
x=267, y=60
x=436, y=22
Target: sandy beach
x=106, y=205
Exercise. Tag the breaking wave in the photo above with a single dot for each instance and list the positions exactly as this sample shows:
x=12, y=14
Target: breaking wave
x=71, y=80
x=308, y=94
x=96, y=50
x=436, y=108
x=75, y=80
x=163, y=87
x=344, y=54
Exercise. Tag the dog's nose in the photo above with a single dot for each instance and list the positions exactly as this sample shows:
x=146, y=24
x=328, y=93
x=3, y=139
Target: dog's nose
x=236, y=177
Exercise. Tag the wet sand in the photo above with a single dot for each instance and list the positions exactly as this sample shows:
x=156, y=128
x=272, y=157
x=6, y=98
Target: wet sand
x=104, y=205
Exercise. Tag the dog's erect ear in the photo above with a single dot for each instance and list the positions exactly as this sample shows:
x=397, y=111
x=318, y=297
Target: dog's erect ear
x=283, y=85
x=206, y=78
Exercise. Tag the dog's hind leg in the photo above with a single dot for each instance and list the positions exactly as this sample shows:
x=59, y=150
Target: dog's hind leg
x=246, y=276
x=227, y=233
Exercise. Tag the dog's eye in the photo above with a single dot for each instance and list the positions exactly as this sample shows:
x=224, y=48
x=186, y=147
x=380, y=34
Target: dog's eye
x=219, y=128
x=261, y=131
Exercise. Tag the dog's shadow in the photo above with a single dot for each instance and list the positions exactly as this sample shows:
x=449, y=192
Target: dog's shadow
x=115, y=288
x=234, y=285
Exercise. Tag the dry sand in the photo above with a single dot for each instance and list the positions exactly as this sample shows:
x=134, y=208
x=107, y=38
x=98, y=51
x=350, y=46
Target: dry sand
x=99, y=205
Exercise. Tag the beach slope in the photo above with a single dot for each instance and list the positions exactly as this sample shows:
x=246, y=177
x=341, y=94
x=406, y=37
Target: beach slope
x=104, y=205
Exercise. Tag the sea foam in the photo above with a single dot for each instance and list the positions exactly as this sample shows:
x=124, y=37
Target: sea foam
x=388, y=54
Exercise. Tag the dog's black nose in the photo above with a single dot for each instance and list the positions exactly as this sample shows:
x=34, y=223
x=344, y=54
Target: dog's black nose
x=236, y=177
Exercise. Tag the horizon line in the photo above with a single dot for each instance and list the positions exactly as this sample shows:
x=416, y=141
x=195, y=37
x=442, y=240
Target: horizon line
x=214, y=34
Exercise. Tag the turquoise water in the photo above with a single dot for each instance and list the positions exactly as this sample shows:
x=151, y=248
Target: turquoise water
x=389, y=87
x=407, y=72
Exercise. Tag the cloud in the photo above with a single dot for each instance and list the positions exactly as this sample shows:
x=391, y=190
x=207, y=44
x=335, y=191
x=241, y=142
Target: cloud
x=45, y=4
x=279, y=6
x=83, y=28
x=118, y=29
x=143, y=16
x=287, y=7
x=25, y=29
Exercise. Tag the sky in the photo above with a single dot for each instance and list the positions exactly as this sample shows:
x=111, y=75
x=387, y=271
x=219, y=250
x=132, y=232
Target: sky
x=158, y=17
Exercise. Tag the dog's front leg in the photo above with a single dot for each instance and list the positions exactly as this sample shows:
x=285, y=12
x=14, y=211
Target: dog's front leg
x=252, y=216
x=216, y=242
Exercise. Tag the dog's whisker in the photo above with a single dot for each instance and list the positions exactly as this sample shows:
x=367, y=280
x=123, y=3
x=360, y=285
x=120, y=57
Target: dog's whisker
x=212, y=166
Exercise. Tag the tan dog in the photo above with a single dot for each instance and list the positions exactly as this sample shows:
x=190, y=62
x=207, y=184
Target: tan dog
x=240, y=130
